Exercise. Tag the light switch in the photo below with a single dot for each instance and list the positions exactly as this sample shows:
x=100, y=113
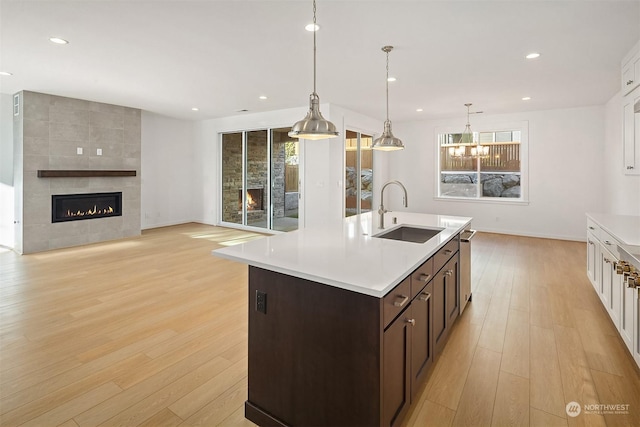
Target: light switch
x=79, y=151
x=99, y=151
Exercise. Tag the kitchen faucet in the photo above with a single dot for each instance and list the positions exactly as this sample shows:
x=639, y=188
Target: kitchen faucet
x=381, y=209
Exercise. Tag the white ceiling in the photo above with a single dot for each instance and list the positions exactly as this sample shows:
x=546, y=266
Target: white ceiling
x=169, y=56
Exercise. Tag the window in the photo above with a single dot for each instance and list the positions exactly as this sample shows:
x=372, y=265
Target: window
x=492, y=167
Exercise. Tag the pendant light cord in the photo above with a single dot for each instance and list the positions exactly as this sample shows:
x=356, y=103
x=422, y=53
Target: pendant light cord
x=387, y=81
x=315, y=29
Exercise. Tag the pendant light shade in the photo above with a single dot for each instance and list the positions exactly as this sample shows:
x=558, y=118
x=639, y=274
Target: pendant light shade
x=386, y=141
x=314, y=126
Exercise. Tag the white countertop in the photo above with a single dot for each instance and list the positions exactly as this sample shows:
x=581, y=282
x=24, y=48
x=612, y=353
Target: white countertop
x=346, y=256
x=624, y=228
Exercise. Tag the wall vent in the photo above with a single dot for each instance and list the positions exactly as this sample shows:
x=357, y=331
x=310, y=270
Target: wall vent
x=16, y=104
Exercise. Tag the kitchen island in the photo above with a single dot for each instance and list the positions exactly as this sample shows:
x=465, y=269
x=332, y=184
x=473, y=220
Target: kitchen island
x=344, y=325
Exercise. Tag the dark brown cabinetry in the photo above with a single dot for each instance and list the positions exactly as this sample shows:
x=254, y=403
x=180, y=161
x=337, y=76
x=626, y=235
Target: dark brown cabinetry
x=320, y=355
x=408, y=354
x=422, y=353
x=446, y=302
x=396, y=372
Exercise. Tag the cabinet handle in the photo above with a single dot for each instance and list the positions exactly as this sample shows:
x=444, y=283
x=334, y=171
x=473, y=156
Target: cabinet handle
x=607, y=260
x=424, y=277
x=424, y=296
x=590, y=242
x=412, y=321
x=448, y=251
x=608, y=243
x=448, y=272
x=401, y=302
x=591, y=228
x=629, y=167
x=629, y=82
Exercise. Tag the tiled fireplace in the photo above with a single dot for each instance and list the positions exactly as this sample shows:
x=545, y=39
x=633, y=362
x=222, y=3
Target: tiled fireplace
x=96, y=142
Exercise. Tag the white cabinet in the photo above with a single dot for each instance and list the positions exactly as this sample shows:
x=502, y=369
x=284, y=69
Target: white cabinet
x=593, y=259
x=629, y=301
x=606, y=272
x=636, y=325
x=611, y=285
x=631, y=70
x=621, y=302
x=631, y=138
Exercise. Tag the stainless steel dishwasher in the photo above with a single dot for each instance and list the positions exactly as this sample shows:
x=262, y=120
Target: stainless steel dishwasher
x=465, y=267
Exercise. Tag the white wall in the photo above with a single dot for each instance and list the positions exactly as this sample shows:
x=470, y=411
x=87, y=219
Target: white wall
x=621, y=193
x=7, y=233
x=168, y=177
x=565, y=173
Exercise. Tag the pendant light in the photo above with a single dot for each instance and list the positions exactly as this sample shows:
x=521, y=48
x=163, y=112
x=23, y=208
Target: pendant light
x=466, y=139
x=386, y=141
x=467, y=135
x=314, y=126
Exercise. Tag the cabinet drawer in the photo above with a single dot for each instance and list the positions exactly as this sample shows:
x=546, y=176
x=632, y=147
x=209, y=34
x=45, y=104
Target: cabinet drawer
x=445, y=253
x=421, y=277
x=396, y=301
x=609, y=242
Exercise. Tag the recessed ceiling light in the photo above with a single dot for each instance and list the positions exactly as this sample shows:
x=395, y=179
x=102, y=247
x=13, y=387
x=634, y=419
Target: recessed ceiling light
x=419, y=110
x=58, y=40
x=262, y=97
x=526, y=98
x=195, y=109
x=532, y=55
x=312, y=27
x=5, y=73
x=391, y=79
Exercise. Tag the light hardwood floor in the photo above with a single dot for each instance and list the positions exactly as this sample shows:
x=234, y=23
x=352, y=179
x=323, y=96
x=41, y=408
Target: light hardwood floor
x=152, y=331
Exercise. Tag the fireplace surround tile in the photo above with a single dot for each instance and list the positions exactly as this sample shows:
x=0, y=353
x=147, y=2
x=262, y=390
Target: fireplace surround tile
x=38, y=112
x=68, y=116
x=106, y=120
x=106, y=108
x=68, y=162
x=36, y=128
x=69, y=132
x=61, y=101
x=46, y=135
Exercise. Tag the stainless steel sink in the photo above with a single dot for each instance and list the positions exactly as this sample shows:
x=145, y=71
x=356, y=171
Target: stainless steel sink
x=410, y=234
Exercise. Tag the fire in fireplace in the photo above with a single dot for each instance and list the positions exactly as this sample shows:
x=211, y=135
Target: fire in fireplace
x=255, y=199
x=74, y=207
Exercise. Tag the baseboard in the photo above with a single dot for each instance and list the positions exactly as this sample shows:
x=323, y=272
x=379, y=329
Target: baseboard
x=537, y=235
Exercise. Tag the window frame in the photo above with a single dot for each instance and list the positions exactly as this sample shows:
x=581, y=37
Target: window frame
x=480, y=127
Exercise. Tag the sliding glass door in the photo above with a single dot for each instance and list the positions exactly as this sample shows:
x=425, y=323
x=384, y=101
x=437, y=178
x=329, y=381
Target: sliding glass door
x=259, y=180
x=284, y=180
x=232, y=178
x=256, y=179
x=358, y=173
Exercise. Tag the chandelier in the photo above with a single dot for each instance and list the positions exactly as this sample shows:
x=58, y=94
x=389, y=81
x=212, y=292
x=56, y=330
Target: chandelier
x=466, y=140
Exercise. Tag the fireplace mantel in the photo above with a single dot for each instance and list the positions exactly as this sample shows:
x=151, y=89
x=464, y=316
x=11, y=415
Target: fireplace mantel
x=89, y=173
